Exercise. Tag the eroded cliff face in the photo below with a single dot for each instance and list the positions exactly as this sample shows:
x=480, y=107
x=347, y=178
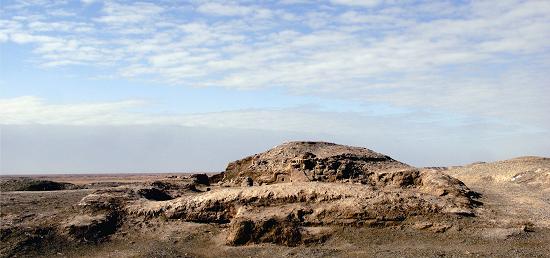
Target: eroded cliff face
x=311, y=161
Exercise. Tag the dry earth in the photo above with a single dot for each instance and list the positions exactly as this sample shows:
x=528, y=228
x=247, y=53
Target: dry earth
x=514, y=191
x=300, y=199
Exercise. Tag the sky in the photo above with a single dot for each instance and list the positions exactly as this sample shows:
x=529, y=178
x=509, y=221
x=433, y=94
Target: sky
x=96, y=86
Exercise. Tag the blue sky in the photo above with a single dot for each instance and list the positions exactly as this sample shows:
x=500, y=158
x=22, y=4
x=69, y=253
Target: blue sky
x=427, y=82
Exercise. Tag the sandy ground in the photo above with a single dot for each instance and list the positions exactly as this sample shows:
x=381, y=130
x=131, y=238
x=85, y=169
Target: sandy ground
x=513, y=222
x=513, y=191
x=83, y=179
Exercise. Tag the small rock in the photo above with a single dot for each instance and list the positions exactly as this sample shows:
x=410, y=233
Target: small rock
x=422, y=225
x=269, y=230
x=200, y=179
x=91, y=228
x=247, y=181
x=439, y=228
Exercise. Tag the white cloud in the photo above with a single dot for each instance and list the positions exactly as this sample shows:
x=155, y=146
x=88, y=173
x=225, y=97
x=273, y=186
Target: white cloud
x=421, y=56
x=232, y=9
x=224, y=9
x=32, y=110
x=116, y=14
x=470, y=74
x=362, y=3
x=38, y=26
x=105, y=127
x=87, y=2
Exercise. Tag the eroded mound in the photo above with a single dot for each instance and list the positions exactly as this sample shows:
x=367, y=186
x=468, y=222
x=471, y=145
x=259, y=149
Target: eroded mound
x=30, y=184
x=290, y=195
x=310, y=161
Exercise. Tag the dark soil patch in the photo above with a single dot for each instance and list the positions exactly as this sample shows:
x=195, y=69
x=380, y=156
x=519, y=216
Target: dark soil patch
x=29, y=184
x=154, y=194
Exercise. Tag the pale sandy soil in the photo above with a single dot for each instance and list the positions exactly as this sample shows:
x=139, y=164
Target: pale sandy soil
x=514, y=191
x=512, y=222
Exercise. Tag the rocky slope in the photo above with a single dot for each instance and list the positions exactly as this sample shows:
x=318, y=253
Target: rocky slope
x=310, y=161
x=515, y=191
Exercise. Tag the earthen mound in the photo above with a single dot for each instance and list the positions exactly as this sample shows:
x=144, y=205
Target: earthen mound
x=311, y=161
x=290, y=195
x=29, y=184
x=282, y=194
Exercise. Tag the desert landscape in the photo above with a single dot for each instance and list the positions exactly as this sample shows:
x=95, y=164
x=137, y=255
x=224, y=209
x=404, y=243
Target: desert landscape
x=279, y=128
x=299, y=199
